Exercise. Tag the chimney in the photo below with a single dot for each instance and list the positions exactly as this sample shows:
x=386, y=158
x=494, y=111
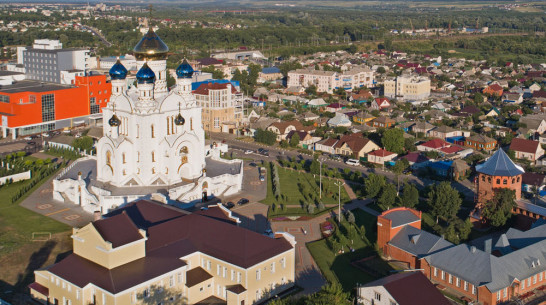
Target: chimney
x=97, y=216
x=487, y=245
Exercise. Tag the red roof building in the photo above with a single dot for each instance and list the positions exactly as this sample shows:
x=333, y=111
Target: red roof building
x=494, y=89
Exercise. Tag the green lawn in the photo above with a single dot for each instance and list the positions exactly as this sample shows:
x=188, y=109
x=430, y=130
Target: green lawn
x=291, y=184
x=338, y=268
x=17, y=223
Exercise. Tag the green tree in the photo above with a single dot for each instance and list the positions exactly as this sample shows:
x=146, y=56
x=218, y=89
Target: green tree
x=265, y=136
x=444, y=201
x=295, y=140
x=373, y=185
x=393, y=140
x=499, y=209
x=216, y=74
x=331, y=294
x=478, y=98
x=350, y=217
x=311, y=90
x=84, y=143
x=410, y=196
x=352, y=49
x=398, y=168
x=381, y=70
x=388, y=197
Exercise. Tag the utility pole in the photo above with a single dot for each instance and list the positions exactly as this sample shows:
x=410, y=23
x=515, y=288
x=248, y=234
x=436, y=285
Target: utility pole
x=339, y=184
x=320, y=179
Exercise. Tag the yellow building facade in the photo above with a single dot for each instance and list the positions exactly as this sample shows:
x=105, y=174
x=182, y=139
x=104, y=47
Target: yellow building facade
x=222, y=106
x=152, y=253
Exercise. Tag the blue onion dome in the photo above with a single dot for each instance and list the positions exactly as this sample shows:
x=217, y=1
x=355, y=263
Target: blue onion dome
x=185, y=70
x=114, y=121
x=145, y=75
x=151, y=47
x=179, y=120
x=118, y=71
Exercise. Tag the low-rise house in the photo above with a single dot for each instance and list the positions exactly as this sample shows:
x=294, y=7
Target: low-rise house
x=404, y=288
x=317, y=103
x=433, y=145
x=339, y=120
x=415, y=158
x=310, y=116
x=532, y=182
x=527, y=149
x=380, y=103
x=306, y=140
x=480, y=142
x=281, y=129
x=382, y=122
x=381, y=156
x=535, y=123
x=327, y=145
x=335, y=107
x=444, y=132
x=516, y=98
x=363, y=118
x=355, y=145
x=423, y=127
x=361, y=97
x=493, y=90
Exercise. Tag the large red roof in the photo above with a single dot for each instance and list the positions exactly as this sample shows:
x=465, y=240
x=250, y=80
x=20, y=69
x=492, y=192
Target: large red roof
x=204, y=88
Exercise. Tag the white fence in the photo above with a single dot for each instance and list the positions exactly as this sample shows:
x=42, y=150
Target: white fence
x=15, y=177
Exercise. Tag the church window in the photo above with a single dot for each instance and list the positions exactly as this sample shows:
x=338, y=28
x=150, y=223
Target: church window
x=168, y=126
x=152, y=129
x=108, y=158
x=513, y=180
x=489, y=179
x=153, y=170
x=483, y=178
x=124, y=172
x=137, y=131
x=153, y=156
x=498, y=181
x=191, y=123
x=166, y=170
x=123, y=158
x=184, y=150
x=518, y=179
x=173, y=127
x=138, y=156
x=504, y=181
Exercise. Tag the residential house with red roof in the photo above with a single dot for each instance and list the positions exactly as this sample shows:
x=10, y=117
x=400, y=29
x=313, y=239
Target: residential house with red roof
x=433, y=145
x=403, y=288
x=380, y=103
x=381, y=156
x=281, y=129
x=382, y=122
x=527, y=149
x=493, y=90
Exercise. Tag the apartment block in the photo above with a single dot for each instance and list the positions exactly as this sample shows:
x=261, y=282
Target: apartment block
x=408, y=87
x=222, y=106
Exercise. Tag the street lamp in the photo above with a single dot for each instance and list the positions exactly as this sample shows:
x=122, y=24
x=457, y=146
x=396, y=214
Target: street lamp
x=339, y=184
x=320, y=178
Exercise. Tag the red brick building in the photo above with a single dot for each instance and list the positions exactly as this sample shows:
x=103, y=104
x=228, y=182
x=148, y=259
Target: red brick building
x=490, y=272
x=480, y=142
x=28, y=106
x=497, y=172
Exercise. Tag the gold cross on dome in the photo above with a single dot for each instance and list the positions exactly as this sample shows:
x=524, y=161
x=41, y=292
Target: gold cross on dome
x=150, y=9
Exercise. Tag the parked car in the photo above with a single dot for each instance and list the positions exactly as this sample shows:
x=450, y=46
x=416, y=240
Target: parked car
x=253, y=164
x=265, y=152
x=229, y=205
x=262, y=178
x=248, y=151
x=352, y=162
x=242, y=201
x=27, y=138
x=337, y=157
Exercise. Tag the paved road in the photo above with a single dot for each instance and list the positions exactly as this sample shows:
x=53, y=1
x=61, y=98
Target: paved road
x=465, y=187
x=97, y=33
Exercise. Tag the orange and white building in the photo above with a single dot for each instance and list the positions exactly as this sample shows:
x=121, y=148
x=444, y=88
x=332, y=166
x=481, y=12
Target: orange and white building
x=29, y=106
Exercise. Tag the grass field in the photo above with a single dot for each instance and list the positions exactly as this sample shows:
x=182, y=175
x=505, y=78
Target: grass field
x=338, y=268
x=19, y=255
x=291, y=184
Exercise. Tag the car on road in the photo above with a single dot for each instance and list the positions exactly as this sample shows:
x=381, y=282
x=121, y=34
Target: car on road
x=229, y=205
x=353, y=162
x=27, y=138
x=262, y=178
x=248, y=152
x=253, y=164
x=265, y=153
x=261, y=150
x=242, y=201
x=45, y=135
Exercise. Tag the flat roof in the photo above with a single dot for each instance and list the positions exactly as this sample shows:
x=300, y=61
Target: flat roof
x=32, y=86
x=9, y=73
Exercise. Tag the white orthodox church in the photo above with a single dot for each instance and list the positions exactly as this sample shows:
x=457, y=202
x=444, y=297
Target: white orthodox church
x=153, y=143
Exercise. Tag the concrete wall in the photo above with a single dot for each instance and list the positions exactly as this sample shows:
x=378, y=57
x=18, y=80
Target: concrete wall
x=16, y=177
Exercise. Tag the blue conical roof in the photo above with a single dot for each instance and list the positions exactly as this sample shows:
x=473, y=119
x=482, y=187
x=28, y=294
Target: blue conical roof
x=499, y=164
x=118, y=71
x=145, y=75
x=185, y=70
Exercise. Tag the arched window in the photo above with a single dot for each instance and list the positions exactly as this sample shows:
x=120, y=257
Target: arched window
x=138, y=156
x=191, y=123
x=518, y=178
x=498, y=181
x=505, y=181
x=152, y=130
x=166, y=170
x=108, y=158
x=124, y=173
x=483, y=178
x=168, y=125
x=513, y=180
x=153, y=170
x=153, y=156
x=123, y=158
x=137, y=130
x=489, y=179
